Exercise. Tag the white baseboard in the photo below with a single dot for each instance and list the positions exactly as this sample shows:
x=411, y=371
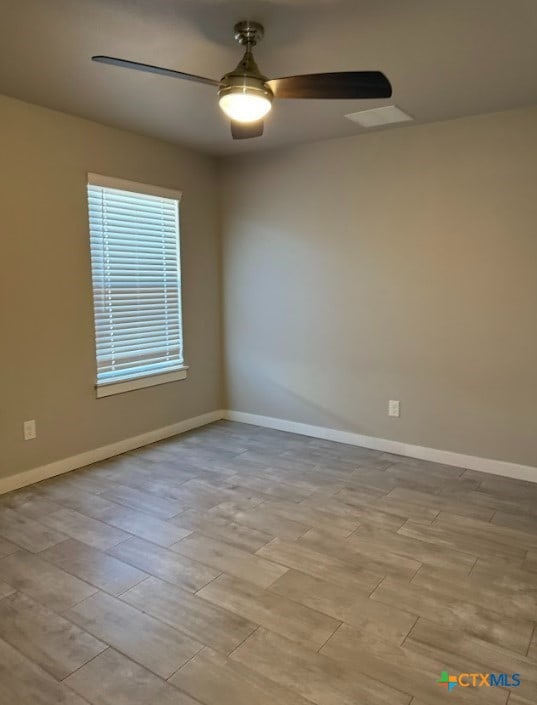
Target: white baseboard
x=470, y=462
x=29, y=477
x=447, y=457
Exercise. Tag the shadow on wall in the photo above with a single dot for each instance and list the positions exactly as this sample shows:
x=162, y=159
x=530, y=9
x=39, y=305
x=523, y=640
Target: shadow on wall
x=306, y=409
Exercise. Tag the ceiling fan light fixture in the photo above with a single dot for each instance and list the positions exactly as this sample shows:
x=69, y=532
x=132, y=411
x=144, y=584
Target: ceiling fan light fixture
x=244, y=102
x=243, y=106
x=245, y=95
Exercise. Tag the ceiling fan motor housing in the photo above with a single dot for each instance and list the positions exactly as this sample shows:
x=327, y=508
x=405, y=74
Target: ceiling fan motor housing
x=241, y=83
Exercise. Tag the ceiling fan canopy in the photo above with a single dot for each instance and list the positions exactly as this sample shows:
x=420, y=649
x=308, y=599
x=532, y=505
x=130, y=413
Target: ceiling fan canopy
x=245, y=95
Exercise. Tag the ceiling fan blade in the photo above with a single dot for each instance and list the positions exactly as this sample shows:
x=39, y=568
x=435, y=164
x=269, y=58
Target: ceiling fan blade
x=344, y=84
x=149, y=68
x=246, y=130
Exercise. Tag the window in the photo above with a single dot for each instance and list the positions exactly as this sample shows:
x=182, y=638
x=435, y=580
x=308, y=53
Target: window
x=135, y=263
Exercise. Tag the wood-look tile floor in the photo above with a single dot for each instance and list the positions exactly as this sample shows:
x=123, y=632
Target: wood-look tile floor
x=242, y=566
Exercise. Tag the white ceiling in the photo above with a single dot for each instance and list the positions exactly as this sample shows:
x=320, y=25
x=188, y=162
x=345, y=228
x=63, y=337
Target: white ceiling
x=445, y=58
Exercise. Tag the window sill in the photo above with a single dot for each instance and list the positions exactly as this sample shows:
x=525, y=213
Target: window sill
x=106, y=390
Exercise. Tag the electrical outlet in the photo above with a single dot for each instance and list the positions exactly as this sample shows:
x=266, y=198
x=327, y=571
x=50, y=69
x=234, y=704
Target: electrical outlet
x=29, y=430
x=393, y=408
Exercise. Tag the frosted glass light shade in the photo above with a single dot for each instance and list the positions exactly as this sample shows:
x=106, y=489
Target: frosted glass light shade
x=243, y=106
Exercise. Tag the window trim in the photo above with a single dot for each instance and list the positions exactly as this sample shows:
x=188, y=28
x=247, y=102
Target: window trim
x=105, y=389
x=134, y=186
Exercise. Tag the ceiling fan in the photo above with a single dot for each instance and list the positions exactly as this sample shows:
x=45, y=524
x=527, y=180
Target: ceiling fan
x=246, y=96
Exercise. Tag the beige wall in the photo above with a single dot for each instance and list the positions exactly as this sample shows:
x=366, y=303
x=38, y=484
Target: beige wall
x=47, y=364
x=396, y=265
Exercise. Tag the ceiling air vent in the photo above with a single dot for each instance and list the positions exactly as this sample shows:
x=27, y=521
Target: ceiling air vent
x=379, y=116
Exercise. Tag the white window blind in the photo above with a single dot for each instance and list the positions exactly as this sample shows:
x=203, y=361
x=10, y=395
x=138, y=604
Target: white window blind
x=134, y=235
